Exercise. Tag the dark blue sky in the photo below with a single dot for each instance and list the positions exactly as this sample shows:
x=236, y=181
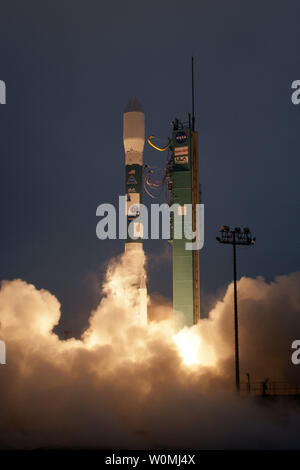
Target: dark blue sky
x=70, y=68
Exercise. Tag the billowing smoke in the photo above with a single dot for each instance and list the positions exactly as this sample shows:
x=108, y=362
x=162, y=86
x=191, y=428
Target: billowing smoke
x=123, y=385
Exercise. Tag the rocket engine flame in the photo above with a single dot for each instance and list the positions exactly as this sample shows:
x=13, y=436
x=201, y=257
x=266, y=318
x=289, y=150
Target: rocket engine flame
x=193, y=350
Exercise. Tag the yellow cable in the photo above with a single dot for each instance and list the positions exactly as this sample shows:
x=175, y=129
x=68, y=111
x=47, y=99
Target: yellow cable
x=161, y=149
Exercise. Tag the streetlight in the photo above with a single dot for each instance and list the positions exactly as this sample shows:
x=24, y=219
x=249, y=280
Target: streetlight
x=236, y=237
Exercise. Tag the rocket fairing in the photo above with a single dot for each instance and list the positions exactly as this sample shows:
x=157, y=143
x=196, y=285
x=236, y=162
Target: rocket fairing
x=134, y=140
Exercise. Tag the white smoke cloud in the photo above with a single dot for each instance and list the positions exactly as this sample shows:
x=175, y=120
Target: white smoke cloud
x=123, y=385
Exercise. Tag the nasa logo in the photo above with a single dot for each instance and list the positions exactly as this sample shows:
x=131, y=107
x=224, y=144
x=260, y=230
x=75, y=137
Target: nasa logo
x=181, y=137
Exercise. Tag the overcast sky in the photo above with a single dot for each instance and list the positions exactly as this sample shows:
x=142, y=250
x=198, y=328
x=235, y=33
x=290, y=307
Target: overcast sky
x=71, y=66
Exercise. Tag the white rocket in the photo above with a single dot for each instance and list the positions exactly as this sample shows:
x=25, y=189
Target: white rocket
x=134, y=140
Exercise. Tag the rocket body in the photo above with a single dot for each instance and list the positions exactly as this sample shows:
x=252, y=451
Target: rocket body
x=134, y=140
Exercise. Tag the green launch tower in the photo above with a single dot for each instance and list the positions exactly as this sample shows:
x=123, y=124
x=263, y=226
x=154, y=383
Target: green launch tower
x=182, y=178
x=184, y=189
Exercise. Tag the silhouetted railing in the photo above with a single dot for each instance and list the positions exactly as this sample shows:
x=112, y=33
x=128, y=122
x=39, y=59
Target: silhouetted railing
x=269, y=388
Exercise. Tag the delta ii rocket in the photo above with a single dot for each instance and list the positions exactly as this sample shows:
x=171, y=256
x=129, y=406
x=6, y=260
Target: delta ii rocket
x=134, y=140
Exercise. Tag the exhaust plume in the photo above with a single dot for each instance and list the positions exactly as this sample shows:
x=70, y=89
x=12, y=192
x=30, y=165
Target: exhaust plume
x=123, y=385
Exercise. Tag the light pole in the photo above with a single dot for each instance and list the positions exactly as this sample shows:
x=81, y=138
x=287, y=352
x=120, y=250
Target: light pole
x=236, y=237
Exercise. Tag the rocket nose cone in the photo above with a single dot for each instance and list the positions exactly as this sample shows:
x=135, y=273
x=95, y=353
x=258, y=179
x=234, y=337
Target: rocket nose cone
x=133, y=105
